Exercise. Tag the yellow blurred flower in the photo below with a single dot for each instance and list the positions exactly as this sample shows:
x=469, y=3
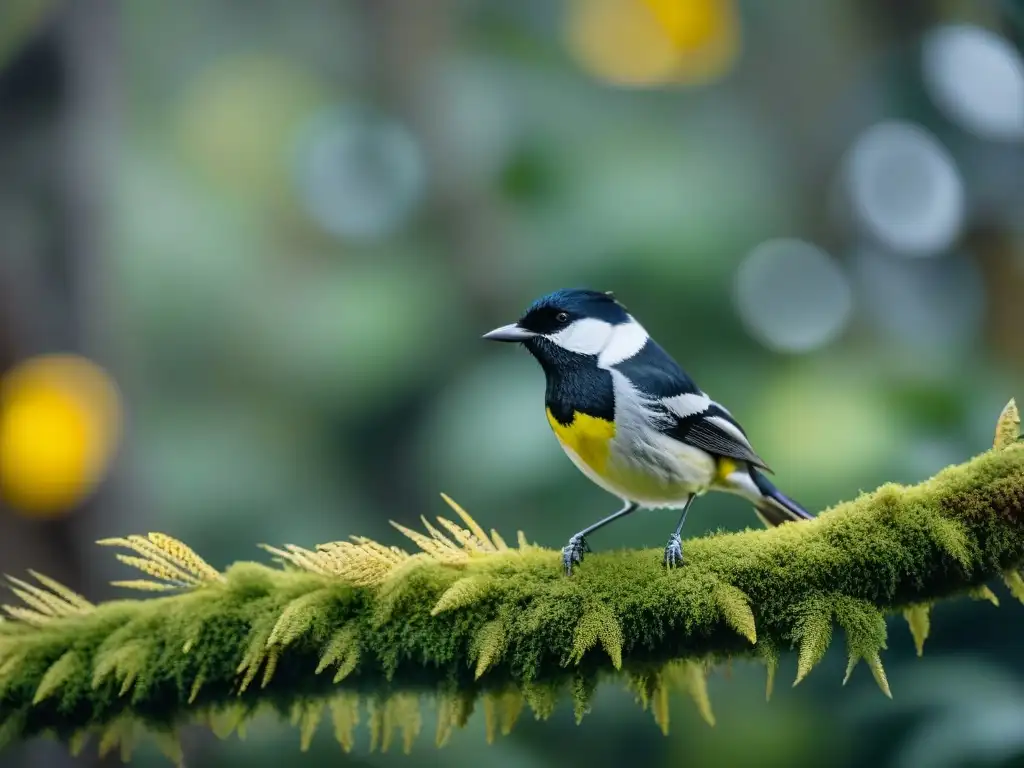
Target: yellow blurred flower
x=654, y=42
x=60, y=421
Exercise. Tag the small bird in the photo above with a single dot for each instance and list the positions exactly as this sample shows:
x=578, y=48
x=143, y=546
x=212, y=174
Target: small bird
x=632, y=421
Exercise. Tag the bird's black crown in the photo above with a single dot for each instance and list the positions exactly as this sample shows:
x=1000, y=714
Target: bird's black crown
x=560, y=308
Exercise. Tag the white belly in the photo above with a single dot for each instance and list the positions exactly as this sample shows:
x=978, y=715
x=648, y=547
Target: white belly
x=661, y=472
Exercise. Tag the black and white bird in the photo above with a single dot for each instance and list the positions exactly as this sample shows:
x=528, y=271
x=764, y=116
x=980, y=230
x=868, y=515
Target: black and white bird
x=632, y=421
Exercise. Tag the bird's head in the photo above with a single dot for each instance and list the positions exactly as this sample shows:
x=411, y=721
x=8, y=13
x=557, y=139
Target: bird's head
x=573, y=323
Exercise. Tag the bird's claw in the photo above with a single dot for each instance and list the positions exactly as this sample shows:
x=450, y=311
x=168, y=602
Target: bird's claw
x=572, y=553
x=674, y=551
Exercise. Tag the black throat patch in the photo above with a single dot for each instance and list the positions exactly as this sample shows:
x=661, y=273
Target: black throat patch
x=574, y=383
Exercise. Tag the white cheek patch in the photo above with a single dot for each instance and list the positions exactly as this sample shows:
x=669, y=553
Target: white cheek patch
x=584, y=337
x=687, y=404
x=626, y=341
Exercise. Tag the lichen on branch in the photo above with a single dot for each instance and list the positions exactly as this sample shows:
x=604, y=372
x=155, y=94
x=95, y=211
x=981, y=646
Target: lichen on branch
x=358, y=628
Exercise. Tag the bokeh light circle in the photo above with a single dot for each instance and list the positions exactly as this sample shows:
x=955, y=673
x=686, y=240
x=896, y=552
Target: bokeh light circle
x=935, y=307
x=60, y=422
x=792, y=296
x=360, y=174
x=905, y=188
x=977, y=78
x=653, y=42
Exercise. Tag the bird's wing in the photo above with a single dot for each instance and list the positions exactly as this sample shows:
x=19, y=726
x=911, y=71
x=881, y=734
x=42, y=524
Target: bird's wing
x=692, y=417
x=717, y=432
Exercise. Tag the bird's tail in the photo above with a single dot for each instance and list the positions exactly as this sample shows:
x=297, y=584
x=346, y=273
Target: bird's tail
x=774, y=507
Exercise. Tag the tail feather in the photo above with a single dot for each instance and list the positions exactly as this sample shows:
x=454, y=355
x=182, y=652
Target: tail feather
x=775, y=508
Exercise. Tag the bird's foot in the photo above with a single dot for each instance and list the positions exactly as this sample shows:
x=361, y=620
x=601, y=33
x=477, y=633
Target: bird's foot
x=674, y=551
x=572, y=553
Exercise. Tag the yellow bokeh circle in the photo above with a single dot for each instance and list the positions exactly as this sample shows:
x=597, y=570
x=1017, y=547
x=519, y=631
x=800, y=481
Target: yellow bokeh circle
x=653, y=42
x=60, y=422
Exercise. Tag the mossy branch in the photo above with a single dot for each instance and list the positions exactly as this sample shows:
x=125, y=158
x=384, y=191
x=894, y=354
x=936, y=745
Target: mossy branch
x=470, y=618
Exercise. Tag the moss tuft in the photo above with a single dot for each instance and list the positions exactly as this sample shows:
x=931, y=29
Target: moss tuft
x=488, y=646
x=1015, y=584
x=985, y=594
x=736, y=611
x=813, y=633
x=1007, y=427
x=918, y=619
x=597, y=624
x=469, y=618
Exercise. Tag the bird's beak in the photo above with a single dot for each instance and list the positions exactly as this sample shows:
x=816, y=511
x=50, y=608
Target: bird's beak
x=511, y=332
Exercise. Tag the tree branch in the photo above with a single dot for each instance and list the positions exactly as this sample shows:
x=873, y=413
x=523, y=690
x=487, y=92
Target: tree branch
x=469, y=618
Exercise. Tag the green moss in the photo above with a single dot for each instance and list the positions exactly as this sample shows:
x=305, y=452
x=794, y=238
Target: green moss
x=489, y=644
x=361, y=630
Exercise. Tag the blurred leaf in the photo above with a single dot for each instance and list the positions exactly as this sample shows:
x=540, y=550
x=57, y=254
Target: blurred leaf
x=184, y=263
x=351, y=336
x=824, y=425
x=503, y=399
x=238, y=118
x=529, y=176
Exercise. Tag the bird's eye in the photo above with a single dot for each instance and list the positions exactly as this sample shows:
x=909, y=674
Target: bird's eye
x=562, y=317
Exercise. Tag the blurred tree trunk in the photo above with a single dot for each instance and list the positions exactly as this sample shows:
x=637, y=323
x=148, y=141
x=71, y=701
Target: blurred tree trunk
x=59, y=90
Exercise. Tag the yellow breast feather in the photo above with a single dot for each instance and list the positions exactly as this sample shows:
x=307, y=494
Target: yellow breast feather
x=726, y=467
x=587, y=436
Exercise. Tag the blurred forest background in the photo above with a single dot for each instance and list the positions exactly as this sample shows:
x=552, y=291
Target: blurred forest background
x=264, y=238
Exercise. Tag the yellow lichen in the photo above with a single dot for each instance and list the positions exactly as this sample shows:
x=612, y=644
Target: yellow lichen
x=365, y=562
x=171, y=562
x=43, y=604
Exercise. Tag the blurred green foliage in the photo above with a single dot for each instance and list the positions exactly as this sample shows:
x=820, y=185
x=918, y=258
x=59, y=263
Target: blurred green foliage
x=290, y=382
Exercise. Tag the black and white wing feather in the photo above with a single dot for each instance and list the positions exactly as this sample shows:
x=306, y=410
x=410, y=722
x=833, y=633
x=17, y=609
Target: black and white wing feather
x=714, y=430
x=690, y=415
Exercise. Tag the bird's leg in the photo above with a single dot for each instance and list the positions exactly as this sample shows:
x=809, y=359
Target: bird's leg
x=572, y=553
x=674, y=548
